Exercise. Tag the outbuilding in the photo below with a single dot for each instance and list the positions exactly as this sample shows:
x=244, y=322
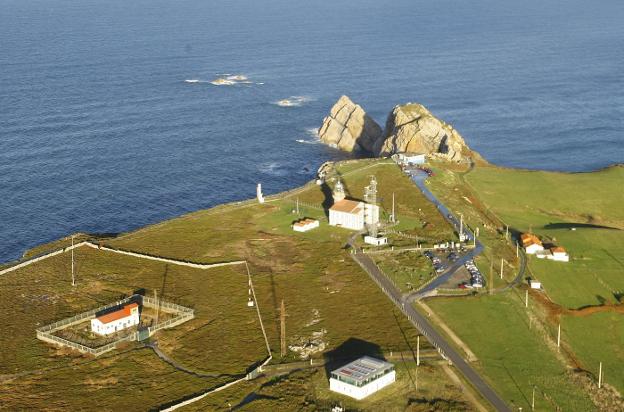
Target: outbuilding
x=559, y=254
x=116, y=320
x=304, y=225
x=362, y=377
x=531, y=243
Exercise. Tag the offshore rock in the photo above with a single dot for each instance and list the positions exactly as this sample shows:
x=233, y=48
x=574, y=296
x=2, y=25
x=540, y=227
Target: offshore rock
x=411, y=128
x=349, y=128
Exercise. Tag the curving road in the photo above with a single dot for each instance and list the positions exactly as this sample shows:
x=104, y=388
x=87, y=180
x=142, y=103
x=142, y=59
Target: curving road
x=418, y=320
x=422, y=324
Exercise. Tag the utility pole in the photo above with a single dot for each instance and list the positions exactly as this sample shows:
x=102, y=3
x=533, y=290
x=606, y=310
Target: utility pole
x=297, y=206
x=533, y=400
x=600, y=376
x=526, y=299
x=506, y=231
x=393, y=215
x=418, y=350
x=72, y=262
x=501, y=271
x=559, y=336
x=283, y=329
x=517, y=251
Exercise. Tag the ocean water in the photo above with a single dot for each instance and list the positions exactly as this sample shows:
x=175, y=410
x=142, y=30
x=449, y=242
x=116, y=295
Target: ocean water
x=99, y=132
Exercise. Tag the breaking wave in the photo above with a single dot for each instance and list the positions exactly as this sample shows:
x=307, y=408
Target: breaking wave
x=293, y=101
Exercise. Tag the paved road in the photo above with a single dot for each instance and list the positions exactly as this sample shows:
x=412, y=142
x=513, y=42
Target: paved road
x=419, y=177
x=423, y=325
x=420, y=321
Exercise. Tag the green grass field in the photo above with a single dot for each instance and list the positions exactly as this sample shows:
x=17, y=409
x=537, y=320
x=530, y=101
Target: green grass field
x=551, y=204
x=512, y=356
x=598, y=338
x=324, y=291
x=408, y=270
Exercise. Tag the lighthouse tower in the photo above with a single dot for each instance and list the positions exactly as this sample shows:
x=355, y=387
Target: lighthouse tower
x=338, y=194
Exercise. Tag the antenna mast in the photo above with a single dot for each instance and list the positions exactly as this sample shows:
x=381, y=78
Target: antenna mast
x=370, y=195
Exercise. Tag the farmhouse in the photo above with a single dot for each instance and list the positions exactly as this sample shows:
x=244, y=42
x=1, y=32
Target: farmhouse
x=531, y=243
x=304, y=225
x=111, y=322
x=351, y=214
x=362, y=377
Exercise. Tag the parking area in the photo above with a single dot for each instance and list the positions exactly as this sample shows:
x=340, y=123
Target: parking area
x=476, y=278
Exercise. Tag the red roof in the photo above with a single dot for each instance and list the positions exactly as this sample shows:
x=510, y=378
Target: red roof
x=124, y=312
x=346, y=206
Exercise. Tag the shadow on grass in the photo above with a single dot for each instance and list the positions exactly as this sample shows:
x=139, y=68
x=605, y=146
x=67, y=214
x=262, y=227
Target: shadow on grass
x=348, y=351
x=577, y=226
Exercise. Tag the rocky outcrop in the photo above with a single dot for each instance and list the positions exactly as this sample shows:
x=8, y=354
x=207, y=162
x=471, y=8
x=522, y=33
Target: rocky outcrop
x=349, y=128
x=411, y=128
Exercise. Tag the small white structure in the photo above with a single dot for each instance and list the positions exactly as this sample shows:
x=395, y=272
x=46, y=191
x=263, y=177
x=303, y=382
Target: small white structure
x=377, y=241
x=559, y=254
x=410, y=158
x=535, y=284
x=304, y=225
x=259, y=194
x=351, y=214
x=111, y=322
x=543, y=254
x=531, y=243
x=556, y=253
x=362, y=377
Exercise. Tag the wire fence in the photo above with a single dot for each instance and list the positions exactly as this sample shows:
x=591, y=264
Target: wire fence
x=46, y=333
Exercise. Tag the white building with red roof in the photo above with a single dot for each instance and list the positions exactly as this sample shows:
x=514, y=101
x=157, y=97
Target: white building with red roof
x=116, y=320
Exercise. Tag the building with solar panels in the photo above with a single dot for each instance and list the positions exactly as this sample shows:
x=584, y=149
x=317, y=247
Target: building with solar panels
x=362, y=377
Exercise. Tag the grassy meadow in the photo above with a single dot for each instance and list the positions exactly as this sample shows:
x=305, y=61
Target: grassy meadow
x=325, y=294
x=512, y=355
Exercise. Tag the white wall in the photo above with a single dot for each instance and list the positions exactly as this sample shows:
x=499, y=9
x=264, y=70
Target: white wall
x=363, y=391
x=346, y=220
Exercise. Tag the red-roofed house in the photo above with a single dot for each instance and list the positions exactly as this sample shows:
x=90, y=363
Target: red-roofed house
x=111, y=322
x=531, y=243
x=559, y=254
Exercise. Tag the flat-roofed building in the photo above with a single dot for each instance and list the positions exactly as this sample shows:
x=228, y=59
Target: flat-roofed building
x=304, y=225
x=362, y=377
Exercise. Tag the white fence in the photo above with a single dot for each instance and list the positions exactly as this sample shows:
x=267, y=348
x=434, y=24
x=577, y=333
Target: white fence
x=45, y=333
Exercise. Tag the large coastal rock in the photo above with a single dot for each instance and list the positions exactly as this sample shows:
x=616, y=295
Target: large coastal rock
x=411, y=128
x=349, y=128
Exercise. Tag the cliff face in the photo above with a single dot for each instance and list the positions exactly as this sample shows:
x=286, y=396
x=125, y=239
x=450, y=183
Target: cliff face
x=412, y=128
x=349, y=128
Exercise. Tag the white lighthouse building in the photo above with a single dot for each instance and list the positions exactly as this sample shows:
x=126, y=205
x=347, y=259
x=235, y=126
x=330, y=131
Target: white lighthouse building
x=351, y=214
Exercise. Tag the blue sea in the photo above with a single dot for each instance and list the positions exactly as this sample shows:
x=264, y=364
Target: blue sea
x=100, y=132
